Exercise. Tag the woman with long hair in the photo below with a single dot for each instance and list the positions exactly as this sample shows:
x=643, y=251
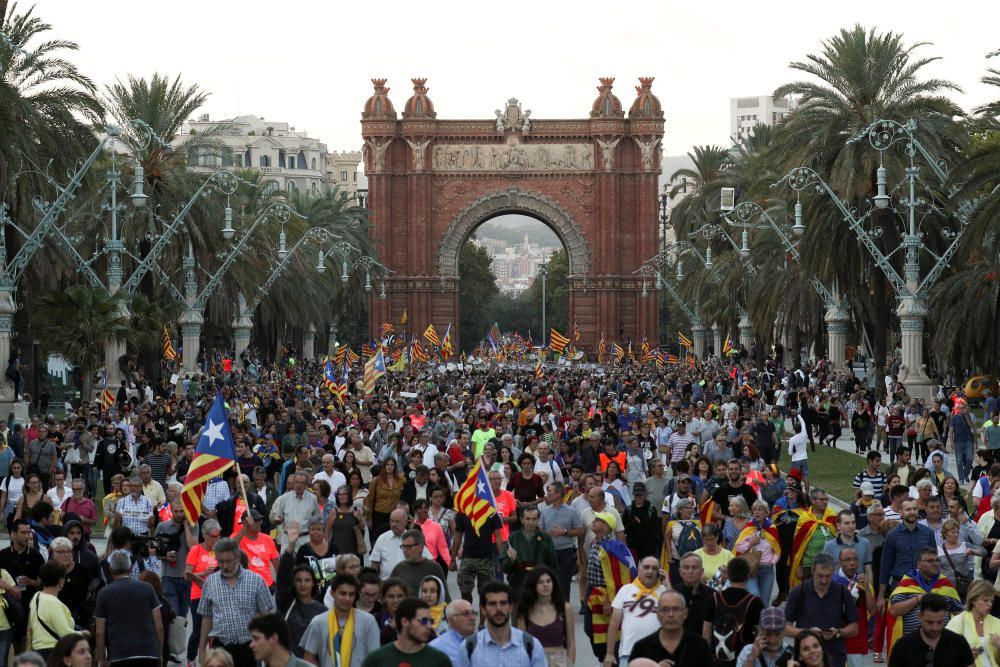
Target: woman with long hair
x=73, y=650
x=543, y=612
x=382, y=498
x=950, y=490
x=393, y=592
x=613, y=479
x=348, y=464
x=359, y=492
x=809, y=650
x=11, y=490
x=297, y=592
x=440, y=514
x=438, y=480
x=344, y=525
x=32, y=494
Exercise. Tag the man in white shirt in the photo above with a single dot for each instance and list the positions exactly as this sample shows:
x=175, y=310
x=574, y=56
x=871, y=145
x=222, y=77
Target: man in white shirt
x=333, y=477
x=545, y=466
x=363, y=457
x=387, y=552
x=634, y=611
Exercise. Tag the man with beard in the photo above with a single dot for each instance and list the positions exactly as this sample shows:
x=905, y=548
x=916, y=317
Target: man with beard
x=499, y=643
x=932, y=644
x=901, y=549
x=735, y=486
x=413, y=623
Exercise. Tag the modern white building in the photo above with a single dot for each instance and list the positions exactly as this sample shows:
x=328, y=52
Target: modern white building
x=746, y=112
x=292, y=159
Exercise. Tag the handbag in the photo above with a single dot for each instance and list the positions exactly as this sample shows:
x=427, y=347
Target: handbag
x=962, y=581
x=13, y=609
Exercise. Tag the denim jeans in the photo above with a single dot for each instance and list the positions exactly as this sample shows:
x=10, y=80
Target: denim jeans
x=6, y=638
x=195, y=638
x=963, y=460
x=177, y=592
x=763, y=584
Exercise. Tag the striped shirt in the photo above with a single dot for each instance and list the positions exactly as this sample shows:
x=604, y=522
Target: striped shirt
x=135, y=513
x=877, y=481
x=233, y=607
x=678, y=445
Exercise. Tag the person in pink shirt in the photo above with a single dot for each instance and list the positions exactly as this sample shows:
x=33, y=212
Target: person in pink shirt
x=83, y=507
x=506, y=503
x=434, y=537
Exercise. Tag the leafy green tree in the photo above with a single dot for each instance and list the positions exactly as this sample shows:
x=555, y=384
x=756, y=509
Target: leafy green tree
x=76, y=323
x=477, y=286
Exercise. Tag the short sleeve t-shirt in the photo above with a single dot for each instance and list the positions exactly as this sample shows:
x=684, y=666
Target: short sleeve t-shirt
x=481, y=545
x=202, y=559
x=130, y=631
x=638, y=616
x=506, y=505
x=260, y=552
x=390, y=655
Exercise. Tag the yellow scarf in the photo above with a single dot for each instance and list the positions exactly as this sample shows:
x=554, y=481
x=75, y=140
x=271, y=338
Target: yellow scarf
x=437, y=611
x=643, y=591
x=341, y=658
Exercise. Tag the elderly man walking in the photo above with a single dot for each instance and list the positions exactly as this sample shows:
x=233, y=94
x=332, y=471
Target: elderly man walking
x=129, y=622
x=230, y=598
x=296, y=506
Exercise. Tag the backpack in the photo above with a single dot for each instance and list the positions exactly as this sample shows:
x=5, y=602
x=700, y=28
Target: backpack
x=529, y=645
x=689, y=540
x=727, y=627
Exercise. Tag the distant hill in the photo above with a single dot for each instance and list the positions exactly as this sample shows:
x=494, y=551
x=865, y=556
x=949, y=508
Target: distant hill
x=511, y=229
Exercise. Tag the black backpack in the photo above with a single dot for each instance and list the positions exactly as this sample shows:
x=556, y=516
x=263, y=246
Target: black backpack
x=727, y=627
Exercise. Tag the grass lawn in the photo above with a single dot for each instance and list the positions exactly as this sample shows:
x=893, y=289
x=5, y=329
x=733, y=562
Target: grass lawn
x=834, y=470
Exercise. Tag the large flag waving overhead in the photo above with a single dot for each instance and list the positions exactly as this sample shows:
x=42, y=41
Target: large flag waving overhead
x=475, y=497
x=431, y=335
x=557, y=341
x=214, y=453
x=446, y=349
x=374, y=369
x=107, y=396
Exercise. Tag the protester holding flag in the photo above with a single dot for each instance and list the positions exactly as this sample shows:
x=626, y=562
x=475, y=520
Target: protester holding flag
x=478, y=536
x=610, y=566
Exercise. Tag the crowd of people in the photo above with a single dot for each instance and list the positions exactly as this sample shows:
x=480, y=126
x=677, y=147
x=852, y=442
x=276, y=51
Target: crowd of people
x=671, y=508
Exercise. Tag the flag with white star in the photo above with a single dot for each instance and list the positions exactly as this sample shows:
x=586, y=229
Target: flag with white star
x=215, y=452
x=475, y=497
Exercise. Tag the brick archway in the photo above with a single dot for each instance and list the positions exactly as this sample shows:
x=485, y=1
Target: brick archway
x=594, y=181
x=514, y=200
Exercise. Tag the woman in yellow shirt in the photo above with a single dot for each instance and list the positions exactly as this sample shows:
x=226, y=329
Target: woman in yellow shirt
x=111, y=499
x=48, y=618
x=978, y=626
x=7, y=585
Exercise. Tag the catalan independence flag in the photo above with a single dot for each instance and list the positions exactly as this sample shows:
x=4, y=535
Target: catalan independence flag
x=557, y=341
x=430, y=335
x=727, y=347
x=619, y=569
x=446, y=349
x=213, y=455
x=684, y=341
x=539, y=373
x=340, y=355
x=387, y=328
x=329, y=378
x=909, y=586
x=601, y=348
x=618, y=352
x=352, y=357
x=418, y=353
x=475, y=498
x=340, y=389
x=374, y=369
x=168, y=347
x=107, y=396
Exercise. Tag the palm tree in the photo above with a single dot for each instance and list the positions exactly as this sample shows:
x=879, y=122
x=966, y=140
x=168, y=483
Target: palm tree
x=76, y=323
x=859, y=76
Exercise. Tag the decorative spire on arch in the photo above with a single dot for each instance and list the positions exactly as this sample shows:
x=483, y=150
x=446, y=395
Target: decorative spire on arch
x=419, y=105
x=646, y=104
x=378, y=105
x=607, y=105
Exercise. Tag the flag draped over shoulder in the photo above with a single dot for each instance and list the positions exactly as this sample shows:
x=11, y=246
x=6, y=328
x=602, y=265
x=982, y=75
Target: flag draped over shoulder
x=475, y=498
x=168, y=347
x=766, y=531
x=910, y=585
x=619, y=569
x=804, y=531
x=214, y=453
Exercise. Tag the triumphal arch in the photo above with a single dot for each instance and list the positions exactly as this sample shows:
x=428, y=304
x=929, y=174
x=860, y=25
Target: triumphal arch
x=593, y=181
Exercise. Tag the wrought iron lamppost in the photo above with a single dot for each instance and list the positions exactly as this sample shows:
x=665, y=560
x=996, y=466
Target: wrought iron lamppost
x=543, y=272
x=911, y=291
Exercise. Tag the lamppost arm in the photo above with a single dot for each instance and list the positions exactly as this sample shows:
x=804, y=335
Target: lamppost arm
x=315, y=234
x=278, y=211
x=654, y=265
x=225, y=182
x=800, y=178
x=12, y=272
x=710, y=230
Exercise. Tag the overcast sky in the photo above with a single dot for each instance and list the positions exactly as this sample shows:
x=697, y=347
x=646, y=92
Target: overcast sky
x=310, y=62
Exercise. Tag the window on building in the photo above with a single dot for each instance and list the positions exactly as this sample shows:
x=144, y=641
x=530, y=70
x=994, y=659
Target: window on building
x=265, y=160
x=343, y=175
x=290, y=186
x=313, y=165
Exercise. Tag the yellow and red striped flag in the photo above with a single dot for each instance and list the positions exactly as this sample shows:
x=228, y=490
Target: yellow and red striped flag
x=168, y=348
x=374, y=369
x=557, y=341
x=475, y=497
x=214, y=453
x=403, y=319
x=352, y=357
x=446, y=349
x=107, y=396
x=431, y=336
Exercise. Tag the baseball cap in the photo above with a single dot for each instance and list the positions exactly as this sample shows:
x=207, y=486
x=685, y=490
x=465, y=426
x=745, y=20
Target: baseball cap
x=772, y=619
x=606, y=517
x=867, y=489
x=638, y=488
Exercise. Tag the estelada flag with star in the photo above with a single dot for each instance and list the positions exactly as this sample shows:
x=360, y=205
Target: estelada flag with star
x=475, y=497
x=215, y=452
